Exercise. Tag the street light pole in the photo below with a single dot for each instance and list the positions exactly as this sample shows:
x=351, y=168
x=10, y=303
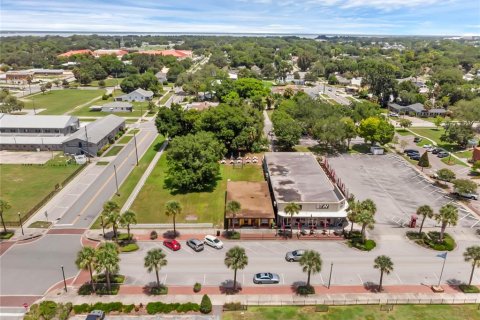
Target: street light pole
x=64, y=281
x=135, y=140
x=441, y=272
x=103, y=226
x=116, y=179
x=21, y=225
x=330, y=277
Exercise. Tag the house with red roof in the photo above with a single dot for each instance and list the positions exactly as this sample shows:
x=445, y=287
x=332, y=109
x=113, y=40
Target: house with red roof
x=179, y=54
x=75, y=52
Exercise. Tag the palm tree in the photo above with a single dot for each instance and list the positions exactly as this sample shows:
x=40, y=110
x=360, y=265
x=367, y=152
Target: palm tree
x=235, y=259
x=385, y=265
x=108, y=261
x=233, y=207
x=352, y=212
x=369, y=205
x=472, y=254
x=311, y=262
x=366, y=219
x=127, y=218
x=292, y=209
x=154, y=261
x=448, y=215
x=111, y=216
x=173, y=208
x=426, y=212
x=4, y=206
x=87, y=260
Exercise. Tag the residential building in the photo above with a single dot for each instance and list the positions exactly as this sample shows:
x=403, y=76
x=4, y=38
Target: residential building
x=162, y=74
x=38, y=125
x=19, y=76
x=138, y=95
x=255, y=202
x=92, y=137
x=298, y=177
x=113, y=107
x=200, y=106
x=416, y=109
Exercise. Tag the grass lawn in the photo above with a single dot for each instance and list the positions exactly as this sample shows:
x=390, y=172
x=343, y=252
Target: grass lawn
x=435, y=135
x=403, y=132
x=138, y=108
x=24, y=186
x=451, y=161
x=125, y=139
x=129, y=184
x=359, y=312
x=467, y=154
x=165, y=98
x=108, y=82
x=113, y=151
x=60, y=101
x=207, y=206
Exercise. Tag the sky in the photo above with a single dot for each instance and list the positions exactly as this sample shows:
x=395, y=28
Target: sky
x=392, y=17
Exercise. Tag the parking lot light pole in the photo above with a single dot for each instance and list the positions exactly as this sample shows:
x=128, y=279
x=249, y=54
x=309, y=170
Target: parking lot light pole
x=135, y=141
x=330, y=277
x=116, y=179
x=21, y=225
x=64, y=281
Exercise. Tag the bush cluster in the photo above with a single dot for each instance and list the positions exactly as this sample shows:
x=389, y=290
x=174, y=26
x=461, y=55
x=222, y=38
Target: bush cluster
x=233, y=235
x=197, y=287
x=232, y=306
x=469, y=288
x=159, y=290
x=160, y=307
x=153, y=235
x=101, y=289
x=129, y=247
x=355, y=240
x=49, y=310
x=431, y=240
x=305, y=290
x=105, y=307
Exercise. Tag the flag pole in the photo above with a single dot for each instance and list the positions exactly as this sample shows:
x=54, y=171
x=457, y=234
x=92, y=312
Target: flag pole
x=441, y=272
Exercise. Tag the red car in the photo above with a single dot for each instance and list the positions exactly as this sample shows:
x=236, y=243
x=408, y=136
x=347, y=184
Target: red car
x=172, y=244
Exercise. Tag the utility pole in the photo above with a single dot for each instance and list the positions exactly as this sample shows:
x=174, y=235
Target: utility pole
x=64, y=280
x=88, y=149
x=135, y=141
x=330, y=277
x=116, y=180
x=21, y=225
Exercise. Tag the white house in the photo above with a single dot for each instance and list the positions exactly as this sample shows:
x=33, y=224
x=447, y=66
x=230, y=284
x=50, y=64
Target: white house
x=138, y=95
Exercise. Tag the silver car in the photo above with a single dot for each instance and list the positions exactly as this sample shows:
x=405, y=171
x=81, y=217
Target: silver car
x=265, y=278
x=294, y=255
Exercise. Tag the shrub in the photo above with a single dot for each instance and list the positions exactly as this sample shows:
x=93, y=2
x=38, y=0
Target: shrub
x=160, y=307
x=85, y=290
x=233, y=235
x=107, y=307
x=128, y=308
x=431, y=240
x=6, y=235
x=48, y=309
x=115, y=278
x=81, y=308
x=153, y=235
x=129, y=247
x=469, y=288
x=305, y=290
x=101, y=83
x=124, y=237
x=159, y=290
x=357, y=243
x=64, y=310
x=232, y=306
x=105, y=97
x=205, y=305
x=197, y=287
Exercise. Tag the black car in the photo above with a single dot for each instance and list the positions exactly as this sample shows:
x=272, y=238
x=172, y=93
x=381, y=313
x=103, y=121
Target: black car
x=414, y=156
x=417, y=139
x=442, y=154
x=408, y=151
x=436, y=150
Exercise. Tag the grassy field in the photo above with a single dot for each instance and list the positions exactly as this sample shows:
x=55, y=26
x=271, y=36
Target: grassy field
x=467, y=154
x=129, y=184
x=24, y=186
x=108, y=82
x=113, y=151
x=435, y=135
x=60, y=101
x=400, y=312
x=403, y=132
x=206, y=206
x=138, y=108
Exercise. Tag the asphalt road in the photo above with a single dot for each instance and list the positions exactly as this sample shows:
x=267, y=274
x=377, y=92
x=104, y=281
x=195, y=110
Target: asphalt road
x=413, y=265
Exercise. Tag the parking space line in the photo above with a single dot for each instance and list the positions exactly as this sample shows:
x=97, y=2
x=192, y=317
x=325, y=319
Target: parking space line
x=165, y=280
x=204, y=278
x=361, y=280
x=399, y=280
x=283, y=278
x=243, y=278
x=321, y=278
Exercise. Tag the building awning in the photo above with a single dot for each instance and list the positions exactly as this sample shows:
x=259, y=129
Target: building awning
x=316, y=214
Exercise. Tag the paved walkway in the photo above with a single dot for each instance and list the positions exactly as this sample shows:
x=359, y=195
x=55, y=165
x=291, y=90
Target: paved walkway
x=144, y=177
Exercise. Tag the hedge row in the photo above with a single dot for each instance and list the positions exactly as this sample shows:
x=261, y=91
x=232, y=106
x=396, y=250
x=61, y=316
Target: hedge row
x=160, y=307
x=105, y=307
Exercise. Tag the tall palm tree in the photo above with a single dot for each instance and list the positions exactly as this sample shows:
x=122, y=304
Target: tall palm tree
x=426, y=212
x=108, y=261
x=385, y=265
x=369, y=205
x=311, y=262
x=233, y=207
x=448, y=215
x=173, y=208
x=4, y=206
x=472, y=254
x=292, y=209
x=352, y=212
x=235, y=259
x=111, y=216
x=87, y=260
x=154, y=261
x=366, y=219
x=128, y=218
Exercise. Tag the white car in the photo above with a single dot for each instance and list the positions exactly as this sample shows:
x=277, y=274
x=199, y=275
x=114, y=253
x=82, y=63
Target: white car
x=393, y=114
x=213, y=242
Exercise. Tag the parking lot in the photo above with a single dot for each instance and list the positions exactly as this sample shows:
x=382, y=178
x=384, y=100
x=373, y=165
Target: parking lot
x=21, y=157
x=396, y=187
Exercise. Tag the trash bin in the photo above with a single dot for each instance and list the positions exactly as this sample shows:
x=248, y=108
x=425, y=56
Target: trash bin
x=413, y=221
x=218, y=233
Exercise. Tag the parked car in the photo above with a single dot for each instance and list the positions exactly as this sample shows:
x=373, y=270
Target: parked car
x=442, y=154
x=407, y=151
x=265, y=278
x=417, y=139
x=393, y=114
x=213, y=242
x=96, y=315
x=471, y=196
x=436, y=150
x=172, y=244
x=294, y=255
x=414, y=156
x=195, y=244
